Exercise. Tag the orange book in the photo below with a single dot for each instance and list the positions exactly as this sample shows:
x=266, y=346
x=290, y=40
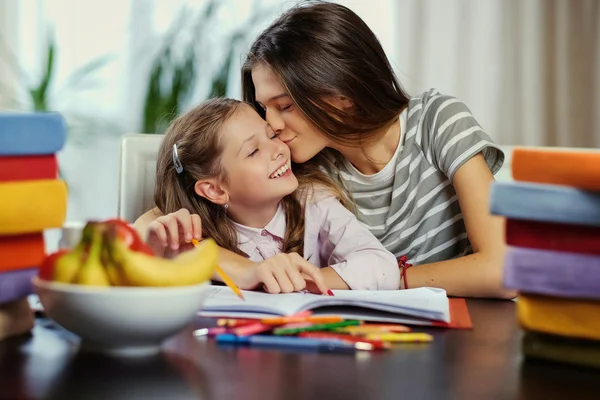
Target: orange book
x=557, y=167
x=21, y=251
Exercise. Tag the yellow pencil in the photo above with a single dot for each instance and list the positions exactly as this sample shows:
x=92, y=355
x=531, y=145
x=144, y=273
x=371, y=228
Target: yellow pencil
x=226, y=279
x=400, y=337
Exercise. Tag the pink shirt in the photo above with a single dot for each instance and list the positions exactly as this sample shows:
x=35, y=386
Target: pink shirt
x=332, y=237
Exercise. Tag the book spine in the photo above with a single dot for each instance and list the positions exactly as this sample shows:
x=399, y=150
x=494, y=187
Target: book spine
x=31, y=133
x=575, y=169
x=21, y=251
x=551, y=236
x=24, y=168
x=545, y=203
x=32, y=206
x=16, y=284
x=552, y=273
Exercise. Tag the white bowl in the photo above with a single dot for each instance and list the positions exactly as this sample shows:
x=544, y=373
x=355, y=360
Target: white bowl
x=121, y=320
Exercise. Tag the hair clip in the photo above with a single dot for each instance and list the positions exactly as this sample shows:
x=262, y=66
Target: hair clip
x=176, y=160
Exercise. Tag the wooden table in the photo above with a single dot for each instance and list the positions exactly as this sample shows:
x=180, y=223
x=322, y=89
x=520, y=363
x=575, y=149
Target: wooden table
x=480, y=364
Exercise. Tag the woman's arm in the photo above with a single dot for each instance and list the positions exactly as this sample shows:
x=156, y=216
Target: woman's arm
x=478, y=274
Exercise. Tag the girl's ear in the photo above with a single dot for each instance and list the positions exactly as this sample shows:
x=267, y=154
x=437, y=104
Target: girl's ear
x=212, y=192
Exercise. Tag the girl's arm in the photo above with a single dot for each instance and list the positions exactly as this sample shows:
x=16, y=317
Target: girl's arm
x=170, y=234
x=478, y=274
x=355, y=258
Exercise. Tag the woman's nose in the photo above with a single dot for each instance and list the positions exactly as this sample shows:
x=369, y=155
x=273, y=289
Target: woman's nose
x=274, y=119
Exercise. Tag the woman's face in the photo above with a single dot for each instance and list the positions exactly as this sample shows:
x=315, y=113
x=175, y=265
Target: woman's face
x=303, y=139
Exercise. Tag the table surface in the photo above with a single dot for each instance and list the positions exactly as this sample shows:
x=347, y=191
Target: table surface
x=482, y=363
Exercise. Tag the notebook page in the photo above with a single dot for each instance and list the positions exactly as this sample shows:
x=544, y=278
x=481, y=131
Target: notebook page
x=429, y=303
x=221, y=298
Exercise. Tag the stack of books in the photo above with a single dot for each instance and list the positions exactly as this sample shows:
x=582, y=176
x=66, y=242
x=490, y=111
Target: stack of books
x=32, y=199
x=552, y=215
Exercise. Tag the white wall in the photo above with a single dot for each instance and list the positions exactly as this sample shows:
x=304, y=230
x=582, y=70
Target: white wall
x=454, y=45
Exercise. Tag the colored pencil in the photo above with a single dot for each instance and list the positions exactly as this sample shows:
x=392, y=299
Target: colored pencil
x=226, y=279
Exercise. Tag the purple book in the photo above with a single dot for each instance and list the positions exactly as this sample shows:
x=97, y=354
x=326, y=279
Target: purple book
x=16, y=285
x=552, y=273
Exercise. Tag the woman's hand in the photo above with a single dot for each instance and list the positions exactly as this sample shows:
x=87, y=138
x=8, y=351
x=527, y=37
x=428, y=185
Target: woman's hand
x=283, y=273
x=172, y=234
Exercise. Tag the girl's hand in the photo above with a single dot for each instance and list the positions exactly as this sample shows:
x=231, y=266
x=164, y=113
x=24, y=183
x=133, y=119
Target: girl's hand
x=284, y=273
x=172, y=234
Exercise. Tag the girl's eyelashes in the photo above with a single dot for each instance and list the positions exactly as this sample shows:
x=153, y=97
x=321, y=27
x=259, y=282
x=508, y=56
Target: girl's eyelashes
x=285, y=108
x=253, y=153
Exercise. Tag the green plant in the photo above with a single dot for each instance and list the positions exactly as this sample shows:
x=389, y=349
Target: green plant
x=37, y=94
x=172, y=78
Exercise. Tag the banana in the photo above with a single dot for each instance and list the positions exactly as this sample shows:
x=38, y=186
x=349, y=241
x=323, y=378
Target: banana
x=92, y=272
x=189, y=268
x=67, y=266
x=115, y=275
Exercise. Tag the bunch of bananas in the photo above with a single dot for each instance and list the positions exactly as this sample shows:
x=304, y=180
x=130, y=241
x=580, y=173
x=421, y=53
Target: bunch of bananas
x=111, y=254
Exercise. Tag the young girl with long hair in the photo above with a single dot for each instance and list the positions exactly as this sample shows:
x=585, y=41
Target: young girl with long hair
x=222, y=162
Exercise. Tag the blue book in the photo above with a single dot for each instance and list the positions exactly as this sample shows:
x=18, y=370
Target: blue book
x=25, y=134
x=545, y=203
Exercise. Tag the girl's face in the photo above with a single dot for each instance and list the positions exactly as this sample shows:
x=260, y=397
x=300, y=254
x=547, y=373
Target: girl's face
x=257, y=164
x=303, y=139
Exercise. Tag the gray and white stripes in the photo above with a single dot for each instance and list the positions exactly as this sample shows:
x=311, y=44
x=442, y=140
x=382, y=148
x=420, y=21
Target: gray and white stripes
x=411, y=205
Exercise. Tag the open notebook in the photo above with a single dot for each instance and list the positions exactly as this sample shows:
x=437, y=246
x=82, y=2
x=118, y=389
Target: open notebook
x=421, y=306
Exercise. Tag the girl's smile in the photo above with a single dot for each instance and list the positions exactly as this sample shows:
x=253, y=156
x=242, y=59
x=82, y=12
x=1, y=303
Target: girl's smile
x=284, y=171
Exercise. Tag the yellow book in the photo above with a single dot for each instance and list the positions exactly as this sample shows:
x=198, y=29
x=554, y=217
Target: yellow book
x=32, y=206
x=557, y=316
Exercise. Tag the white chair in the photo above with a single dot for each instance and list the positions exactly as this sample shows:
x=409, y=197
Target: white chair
x=138, y=172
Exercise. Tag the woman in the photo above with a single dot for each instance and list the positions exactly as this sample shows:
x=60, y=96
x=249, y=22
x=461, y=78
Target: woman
x=419, y=169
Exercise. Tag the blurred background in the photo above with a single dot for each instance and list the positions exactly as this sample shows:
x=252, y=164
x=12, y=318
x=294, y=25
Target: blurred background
x=528, y=69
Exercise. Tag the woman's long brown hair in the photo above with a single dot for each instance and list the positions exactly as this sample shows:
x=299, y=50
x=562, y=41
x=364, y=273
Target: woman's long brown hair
x=197, y=136
x=322, y=50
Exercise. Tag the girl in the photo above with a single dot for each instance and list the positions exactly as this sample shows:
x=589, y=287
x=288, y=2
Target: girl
x=222, y=161
x=419, y=169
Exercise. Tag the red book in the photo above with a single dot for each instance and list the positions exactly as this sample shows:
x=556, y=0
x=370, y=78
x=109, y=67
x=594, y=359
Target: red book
x=552, y=236
x=25, y=168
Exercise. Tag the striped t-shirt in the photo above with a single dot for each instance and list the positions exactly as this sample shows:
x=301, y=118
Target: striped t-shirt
x=411, y=205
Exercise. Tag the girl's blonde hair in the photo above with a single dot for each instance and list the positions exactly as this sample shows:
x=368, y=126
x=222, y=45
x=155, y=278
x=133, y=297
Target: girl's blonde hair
x=197, y=137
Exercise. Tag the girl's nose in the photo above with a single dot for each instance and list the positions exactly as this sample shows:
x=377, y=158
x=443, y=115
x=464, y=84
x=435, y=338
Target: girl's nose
x=279, y=148
x=274, y=119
